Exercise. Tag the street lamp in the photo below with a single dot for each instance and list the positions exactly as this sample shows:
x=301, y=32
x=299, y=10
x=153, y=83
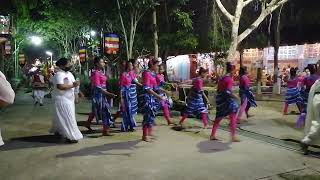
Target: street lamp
x=49, y=53
x=36, y=40
x=93, y=33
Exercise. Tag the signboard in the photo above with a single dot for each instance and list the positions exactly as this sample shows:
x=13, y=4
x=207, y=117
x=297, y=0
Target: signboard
x=4, y=25
x=83, y=54
x=111, y=43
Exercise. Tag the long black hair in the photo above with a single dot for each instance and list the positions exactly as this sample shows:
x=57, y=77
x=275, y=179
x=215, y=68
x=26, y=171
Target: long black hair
x=242, y=71
x=202, y=70
x=96, y=60
x=311, y=68
x=62, y=62
x=293, y=72
x=229, y=67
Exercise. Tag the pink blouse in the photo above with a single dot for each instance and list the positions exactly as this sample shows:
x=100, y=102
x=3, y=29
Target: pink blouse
x=160, y=79
x=244, y=81
x=197, y=83
x=98, y=79
x=292, y=83
x=225, y=83
x=133, y=74
x=310, y=80
x=149, y=81
x=126, y=79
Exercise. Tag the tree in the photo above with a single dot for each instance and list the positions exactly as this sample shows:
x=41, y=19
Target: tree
x=267, y=7
x=130, y=13
x=62, y=25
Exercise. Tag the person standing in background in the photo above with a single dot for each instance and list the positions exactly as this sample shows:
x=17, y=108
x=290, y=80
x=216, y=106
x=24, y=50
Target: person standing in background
x=6, y=95
x=38, y=85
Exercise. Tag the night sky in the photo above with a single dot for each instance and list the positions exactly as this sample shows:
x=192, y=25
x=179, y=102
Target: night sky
x=300, y=21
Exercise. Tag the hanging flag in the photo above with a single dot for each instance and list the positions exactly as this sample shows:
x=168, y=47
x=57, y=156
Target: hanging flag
x=22, y=60
x=111, y=43
x=83, y=54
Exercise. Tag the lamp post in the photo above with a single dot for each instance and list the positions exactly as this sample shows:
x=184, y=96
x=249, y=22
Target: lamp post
x=49, y=53
x=36, y=40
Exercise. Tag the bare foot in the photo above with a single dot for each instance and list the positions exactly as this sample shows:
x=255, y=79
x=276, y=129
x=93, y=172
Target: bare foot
x=235, y=139
x=213, y=138
x=146, y=139
x=106, y=134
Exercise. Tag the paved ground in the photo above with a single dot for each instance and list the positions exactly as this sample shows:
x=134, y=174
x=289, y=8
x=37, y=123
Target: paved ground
x=30, y=153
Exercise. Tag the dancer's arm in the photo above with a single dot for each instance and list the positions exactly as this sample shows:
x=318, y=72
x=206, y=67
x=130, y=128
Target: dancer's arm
x=68, y=86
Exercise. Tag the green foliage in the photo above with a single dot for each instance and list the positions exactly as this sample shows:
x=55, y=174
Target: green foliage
x=183, y=18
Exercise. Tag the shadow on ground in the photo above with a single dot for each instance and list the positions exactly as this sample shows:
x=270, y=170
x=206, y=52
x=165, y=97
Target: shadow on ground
x=32, y=142
x=102, y=150
x=213, y=146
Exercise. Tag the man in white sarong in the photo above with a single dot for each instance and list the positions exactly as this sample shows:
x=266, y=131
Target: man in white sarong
x=64, y=122
x=6, y=95
x=312, y=126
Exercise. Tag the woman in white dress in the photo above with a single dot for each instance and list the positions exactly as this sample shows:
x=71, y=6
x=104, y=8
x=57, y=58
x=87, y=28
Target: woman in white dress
x=312, y=126
x=64, y=122
x=6, y=95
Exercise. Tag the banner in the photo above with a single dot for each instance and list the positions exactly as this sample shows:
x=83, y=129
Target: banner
x=111, y=43
x=22, y=60
x=83, y=54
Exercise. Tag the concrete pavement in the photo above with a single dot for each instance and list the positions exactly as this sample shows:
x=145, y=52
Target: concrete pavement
x=31, y=154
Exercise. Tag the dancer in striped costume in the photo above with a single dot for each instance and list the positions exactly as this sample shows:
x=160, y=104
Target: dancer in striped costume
x=226, y=104
x=306, y=86
x=195, y=102
x=133, y=86
x=293, y=95
x=129, y=102
x=246, y=95
x=150, y=99
x=100, y=104
x=160, y=90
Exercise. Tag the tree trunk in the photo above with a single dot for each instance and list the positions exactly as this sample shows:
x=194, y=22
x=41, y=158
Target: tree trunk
x=155, y=33
x=166, y=46
x=241, y=57
x=124, y=31
x=235, y=32
x=277, y=36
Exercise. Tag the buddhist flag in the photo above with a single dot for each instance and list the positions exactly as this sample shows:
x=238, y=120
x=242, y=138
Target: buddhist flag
x=82, y=54
x=111, y=43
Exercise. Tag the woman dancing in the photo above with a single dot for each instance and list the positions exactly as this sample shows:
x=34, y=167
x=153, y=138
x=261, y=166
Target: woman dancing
x=307, y=83
x=226, y=104
x=129, y=102
x=246, y=95
x=100, y=105
x=293, y=92
x=150, y=104
x=195, y=102
x=160, y=90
